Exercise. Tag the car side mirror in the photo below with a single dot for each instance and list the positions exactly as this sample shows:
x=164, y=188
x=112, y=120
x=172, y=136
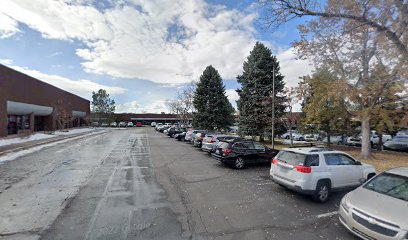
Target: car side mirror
x=358, y=163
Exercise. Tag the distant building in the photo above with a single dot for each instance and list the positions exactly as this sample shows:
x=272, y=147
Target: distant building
x=145, y=118
x=28, y=105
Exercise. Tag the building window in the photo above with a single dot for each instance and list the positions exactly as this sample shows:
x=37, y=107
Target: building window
x=17, y=122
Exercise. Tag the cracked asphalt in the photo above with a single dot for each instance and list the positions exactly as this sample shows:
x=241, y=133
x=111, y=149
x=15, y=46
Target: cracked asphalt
x=140, y=184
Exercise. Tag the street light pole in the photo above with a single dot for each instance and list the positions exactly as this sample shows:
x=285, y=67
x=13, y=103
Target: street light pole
x=273, y=108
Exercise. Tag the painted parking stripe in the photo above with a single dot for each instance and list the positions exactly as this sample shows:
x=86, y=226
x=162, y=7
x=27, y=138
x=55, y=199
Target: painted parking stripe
x=327, y=214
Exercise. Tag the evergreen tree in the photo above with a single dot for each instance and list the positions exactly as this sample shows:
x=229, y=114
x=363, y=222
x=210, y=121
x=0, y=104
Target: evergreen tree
x=102, y=105
x=255, y=96
x=213, y=110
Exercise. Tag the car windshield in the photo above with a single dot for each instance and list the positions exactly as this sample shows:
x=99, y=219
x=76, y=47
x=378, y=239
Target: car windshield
x=390, y=184
x=291, y=158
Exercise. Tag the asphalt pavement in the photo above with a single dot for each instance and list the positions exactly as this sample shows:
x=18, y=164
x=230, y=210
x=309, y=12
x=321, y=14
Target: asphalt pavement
x=140, y=184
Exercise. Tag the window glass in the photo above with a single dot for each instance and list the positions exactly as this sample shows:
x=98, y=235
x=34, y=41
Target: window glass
x=249, y=145
x=241, y=145
x=389, y=184
x=332, y=159
x=346, y=160
x=312, y=160
x=258, y=146
x=338, y=159
x=291, y=158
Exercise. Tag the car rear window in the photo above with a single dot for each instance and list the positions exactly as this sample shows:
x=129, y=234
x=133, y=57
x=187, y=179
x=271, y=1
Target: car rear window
x=293, y=158
x=223, y=145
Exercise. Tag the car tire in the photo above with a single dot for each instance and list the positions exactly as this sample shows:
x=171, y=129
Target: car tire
x=239, y=163
x=287, y=137
x=322, y=192
x=301, y=139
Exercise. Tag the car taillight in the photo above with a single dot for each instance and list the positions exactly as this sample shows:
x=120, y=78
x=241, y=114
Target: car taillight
x=303, y=169
x=201, y=138
x=212, y=140
x=227, y=151
x=275, y=161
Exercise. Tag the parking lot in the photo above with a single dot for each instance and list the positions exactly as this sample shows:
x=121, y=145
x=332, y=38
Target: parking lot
x=140, y=184
x=224, y=203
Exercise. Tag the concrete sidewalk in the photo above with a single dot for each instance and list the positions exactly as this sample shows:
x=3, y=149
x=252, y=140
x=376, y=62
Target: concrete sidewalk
x=29, y=144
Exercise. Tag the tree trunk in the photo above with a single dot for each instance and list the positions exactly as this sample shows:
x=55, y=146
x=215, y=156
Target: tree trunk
x=380, y=142
x=365, y=138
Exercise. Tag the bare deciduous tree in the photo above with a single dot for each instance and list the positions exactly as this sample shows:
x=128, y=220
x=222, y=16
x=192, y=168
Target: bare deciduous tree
x=388, y=17
x=182, y=104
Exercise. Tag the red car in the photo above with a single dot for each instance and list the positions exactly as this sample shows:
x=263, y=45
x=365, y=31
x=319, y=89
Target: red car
x=139, y=124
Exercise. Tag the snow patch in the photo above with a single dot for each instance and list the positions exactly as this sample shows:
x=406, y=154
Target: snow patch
x=15, y=155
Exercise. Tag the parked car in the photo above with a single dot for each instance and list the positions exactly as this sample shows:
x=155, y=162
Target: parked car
x=163, y=128
x=398, y=143
x=122, y=124
x=113, y=124
x=139, y=124
x=210, y=142
x=198, y=139
x=379, y=208
x=336, y=139
x=130, y=124
x=158, y=125
x=191, y=134
x=95, y=124
x=180, y=136
x=104, y=125
x=374, y=139
x=243, y=153
x=153, y=124
x=402, y=133
x=312, y=137
x=175, y=130
x=318, y=171
x=295, y=135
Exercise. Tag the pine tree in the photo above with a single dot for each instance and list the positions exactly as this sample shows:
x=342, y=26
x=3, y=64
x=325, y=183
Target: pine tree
x=255, y=96
x=213, y=110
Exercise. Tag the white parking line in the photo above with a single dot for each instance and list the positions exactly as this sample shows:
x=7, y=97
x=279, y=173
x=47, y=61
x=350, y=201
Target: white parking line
x=327, y=214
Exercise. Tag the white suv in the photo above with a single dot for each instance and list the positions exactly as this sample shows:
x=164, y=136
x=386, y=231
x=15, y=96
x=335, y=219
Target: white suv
x=318, y=171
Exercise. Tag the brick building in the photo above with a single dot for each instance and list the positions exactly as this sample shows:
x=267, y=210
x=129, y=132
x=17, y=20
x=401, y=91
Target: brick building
x=28, y=104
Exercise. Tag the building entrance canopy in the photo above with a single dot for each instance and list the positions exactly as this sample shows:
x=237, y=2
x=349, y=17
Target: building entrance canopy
x=18, y=108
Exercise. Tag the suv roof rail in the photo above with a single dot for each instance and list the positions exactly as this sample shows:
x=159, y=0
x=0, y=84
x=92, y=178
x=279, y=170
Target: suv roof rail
x=321, y=150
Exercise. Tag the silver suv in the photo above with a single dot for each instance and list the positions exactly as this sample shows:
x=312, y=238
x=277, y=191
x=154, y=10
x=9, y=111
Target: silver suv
x=318, y=171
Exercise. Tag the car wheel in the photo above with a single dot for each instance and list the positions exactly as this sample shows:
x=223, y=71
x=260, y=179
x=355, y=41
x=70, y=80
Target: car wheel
x=172, y=135
x=287, y=137
x=239, y=163
x=322, y=192
x=301, y=139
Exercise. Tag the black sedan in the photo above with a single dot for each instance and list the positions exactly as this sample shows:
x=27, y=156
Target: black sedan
x=175, y=130
x=243, y=153
x=180, y=136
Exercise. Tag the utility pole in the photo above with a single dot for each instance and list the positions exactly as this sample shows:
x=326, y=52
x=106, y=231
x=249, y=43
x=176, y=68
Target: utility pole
x=273, y=108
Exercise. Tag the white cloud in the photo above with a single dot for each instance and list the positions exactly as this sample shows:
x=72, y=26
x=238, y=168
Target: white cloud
x=293, y=68
x=232, y=94
x=129, y=107
x=80, y=87
x=157, y=106
x=161, y=41
x=8, y=26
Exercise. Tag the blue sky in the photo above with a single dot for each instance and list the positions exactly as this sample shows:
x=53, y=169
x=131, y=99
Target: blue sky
x=140, y=51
